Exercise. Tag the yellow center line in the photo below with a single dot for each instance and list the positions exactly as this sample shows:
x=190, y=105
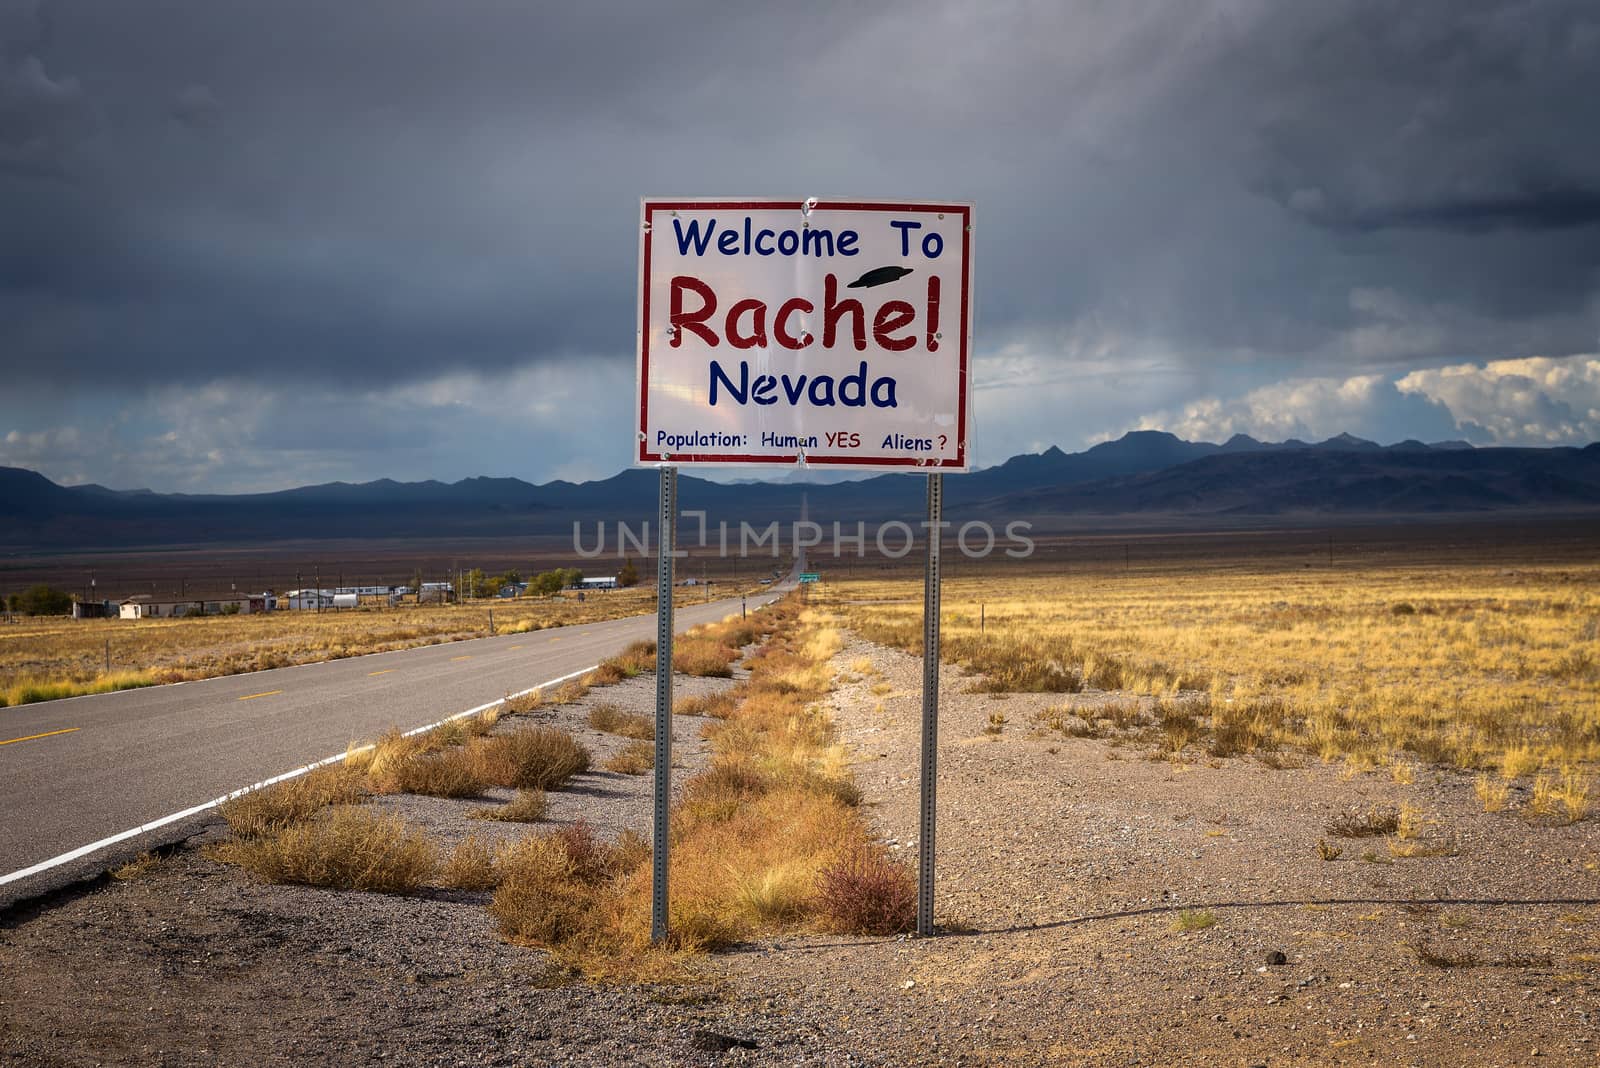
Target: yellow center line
x=513, y=648
x=46, y=734
x=556, y=639
x=385, y=671
x=455, y=658
x=253, y=696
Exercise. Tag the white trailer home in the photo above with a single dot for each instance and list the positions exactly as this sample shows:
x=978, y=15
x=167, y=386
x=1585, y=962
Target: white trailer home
x=150, y=608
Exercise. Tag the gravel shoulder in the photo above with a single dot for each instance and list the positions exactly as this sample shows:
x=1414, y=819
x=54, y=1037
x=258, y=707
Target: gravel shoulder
x=1063, y=867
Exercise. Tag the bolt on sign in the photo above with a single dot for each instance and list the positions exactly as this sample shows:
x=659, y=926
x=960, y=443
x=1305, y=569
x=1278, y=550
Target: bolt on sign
x=805, y=332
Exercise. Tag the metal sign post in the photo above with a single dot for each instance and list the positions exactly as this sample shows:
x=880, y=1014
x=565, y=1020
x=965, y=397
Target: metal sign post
x=663, y=799
x=930, y=708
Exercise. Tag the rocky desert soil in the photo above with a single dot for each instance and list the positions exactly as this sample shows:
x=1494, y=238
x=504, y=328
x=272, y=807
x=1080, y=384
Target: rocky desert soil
x=1102, y=903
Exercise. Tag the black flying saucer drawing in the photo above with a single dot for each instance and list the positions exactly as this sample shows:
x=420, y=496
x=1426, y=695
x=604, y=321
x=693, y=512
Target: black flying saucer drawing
x=879, y=276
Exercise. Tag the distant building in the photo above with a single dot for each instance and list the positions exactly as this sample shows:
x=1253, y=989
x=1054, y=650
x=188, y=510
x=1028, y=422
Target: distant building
x=437, y=592
x=512, y=589
x=314, y=600
x=608, y=582
x=143, y=607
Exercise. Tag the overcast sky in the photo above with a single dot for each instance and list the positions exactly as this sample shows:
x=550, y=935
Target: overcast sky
x=247, y=245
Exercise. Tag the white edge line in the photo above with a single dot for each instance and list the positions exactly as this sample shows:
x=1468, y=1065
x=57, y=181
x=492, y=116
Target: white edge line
x=92, y=847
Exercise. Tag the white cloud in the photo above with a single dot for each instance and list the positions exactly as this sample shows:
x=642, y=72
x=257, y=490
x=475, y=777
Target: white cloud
x=1307, y=408
x=1533, y=401
x=1538, y=400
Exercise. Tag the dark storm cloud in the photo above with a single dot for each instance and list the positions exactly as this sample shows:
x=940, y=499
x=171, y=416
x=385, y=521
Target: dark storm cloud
x=1546, y=209
x=366, y=195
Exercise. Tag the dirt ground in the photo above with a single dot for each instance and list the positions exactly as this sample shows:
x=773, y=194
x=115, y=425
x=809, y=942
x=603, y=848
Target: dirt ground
x=1064, y=867
x=1066, y=863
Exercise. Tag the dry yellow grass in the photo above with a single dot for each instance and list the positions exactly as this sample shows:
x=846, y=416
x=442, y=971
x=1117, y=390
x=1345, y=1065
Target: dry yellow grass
x=767, y=837
x=47, y=658
x=1563, y=797
x=136, y=867
x=284, y=804
x=484, y=722
x=451, y=773
x=611, y=719
x=470, y=866
x=345, y=847
x=635, y=758
x=1492, y=793
x=715, y=705
x=527, y=807
x=528, y=758
x=553, y=887
x=1491, y=670
x=703, y=657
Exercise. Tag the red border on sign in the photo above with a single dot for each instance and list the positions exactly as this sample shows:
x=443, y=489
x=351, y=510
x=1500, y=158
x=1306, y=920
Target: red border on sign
x=909, y=462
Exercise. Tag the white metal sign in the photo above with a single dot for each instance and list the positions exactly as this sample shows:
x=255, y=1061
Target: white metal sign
x=817, y=332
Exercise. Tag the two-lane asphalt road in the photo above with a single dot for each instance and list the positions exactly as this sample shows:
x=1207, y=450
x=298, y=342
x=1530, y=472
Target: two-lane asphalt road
x=77, y=771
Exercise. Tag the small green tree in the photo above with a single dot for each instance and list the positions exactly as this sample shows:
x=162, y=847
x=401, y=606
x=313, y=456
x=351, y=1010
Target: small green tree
x=42, y=601
x=480, y=585
x=500, y=582
x=629, y=575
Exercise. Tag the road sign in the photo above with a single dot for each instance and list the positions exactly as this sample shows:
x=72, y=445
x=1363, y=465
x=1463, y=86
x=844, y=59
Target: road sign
x=819, y=332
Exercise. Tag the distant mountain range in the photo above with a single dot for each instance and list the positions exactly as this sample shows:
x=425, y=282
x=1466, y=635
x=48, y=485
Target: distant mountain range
x=1142, y=475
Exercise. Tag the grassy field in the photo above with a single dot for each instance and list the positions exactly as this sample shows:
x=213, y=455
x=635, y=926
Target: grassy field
x=1464, y=663
x=46, y=658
